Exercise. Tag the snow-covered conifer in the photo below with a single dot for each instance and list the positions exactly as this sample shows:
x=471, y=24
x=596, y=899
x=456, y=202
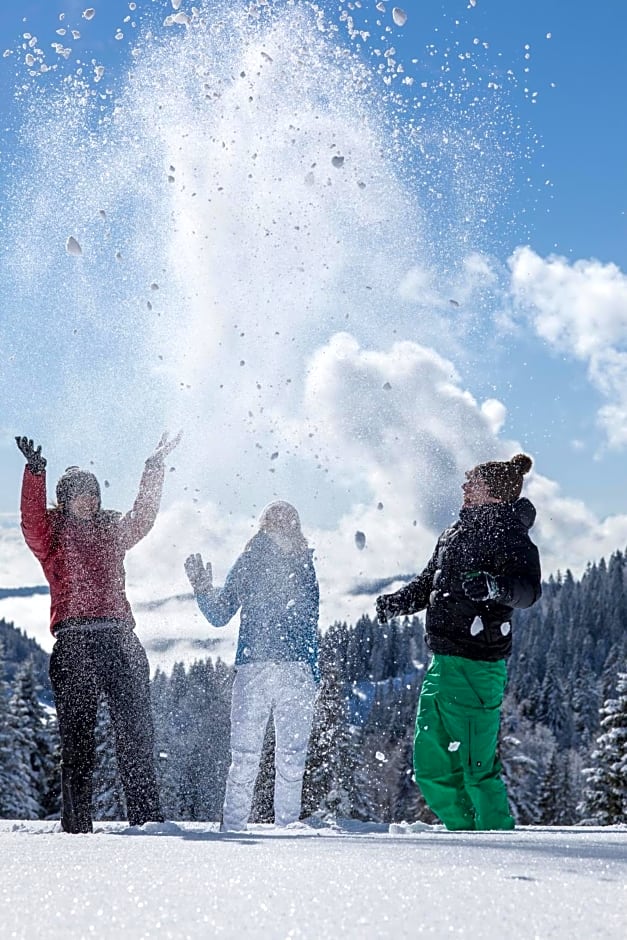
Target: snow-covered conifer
x=605, y=792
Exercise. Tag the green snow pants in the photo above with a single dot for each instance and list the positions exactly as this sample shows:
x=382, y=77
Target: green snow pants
x=457, y=727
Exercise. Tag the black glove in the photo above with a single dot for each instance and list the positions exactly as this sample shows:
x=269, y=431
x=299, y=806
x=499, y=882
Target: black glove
x=387, y=606
x=481, y=586
x=34, y=460
x=200, y=576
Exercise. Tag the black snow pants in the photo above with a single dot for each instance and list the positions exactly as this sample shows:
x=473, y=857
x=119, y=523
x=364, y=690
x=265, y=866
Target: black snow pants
x=87, y=661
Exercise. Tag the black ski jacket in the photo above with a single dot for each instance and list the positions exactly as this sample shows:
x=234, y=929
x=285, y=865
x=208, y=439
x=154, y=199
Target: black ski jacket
x=492, y=538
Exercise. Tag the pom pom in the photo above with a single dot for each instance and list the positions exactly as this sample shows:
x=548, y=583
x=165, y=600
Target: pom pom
x=521, y=463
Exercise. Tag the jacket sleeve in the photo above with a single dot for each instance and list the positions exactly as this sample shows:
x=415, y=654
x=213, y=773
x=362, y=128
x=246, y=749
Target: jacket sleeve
x=520, y=583
x=35, y=520
x=415, y=595
x=220, y=604
x=139, y=521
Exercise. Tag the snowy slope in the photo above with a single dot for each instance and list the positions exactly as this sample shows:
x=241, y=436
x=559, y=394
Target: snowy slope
x=358, y=880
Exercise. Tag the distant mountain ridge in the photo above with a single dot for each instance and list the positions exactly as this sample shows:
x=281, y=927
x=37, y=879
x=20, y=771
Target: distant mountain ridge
x=17, y=649
x=24, y=591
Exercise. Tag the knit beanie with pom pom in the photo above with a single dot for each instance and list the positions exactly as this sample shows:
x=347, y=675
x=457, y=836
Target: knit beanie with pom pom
x=504, y=478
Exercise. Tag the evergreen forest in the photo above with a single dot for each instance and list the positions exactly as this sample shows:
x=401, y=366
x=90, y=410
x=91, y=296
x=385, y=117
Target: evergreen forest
x=563, y=731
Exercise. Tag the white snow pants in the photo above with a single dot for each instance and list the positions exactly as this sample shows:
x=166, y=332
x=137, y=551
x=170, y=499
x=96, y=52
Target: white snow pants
x=289, y=690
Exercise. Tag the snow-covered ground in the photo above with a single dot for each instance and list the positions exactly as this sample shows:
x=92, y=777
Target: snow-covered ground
x=353, y=880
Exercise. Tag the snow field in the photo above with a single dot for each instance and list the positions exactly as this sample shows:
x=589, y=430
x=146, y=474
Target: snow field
x=356, y=880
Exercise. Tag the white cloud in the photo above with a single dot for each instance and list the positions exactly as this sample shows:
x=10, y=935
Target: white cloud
x=569, y=534
x=580, y=308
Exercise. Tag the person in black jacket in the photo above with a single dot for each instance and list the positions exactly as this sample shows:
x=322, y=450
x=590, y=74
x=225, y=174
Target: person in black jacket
x=483, y=567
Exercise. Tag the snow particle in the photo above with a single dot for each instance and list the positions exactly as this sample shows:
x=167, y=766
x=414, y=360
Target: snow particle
x=476, y=626
x=399, y=16
x=89, y=13
x=360, y=540
x=72, y=247
x=337, y=161
x=454, y=746
x=506, y=628
x=387, y=386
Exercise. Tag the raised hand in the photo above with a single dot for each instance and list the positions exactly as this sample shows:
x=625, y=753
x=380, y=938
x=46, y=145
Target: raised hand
x=35, y=461
x=200, y=575
x=164, y=447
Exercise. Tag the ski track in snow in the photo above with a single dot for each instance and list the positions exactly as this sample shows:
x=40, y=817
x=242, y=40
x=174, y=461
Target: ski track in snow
x=353, y=880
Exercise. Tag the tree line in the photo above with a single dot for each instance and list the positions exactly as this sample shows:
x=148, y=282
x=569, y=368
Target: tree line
x=563, y=740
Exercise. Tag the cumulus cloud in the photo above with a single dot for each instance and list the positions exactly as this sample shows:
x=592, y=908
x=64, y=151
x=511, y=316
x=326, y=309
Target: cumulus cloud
x=580, y=308
x=400, y=420
x=569, y=534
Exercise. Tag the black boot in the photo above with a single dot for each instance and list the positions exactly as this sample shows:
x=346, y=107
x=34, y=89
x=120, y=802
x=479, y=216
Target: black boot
x=76, y=814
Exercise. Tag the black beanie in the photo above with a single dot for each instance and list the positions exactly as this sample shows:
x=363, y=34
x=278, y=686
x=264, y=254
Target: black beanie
x=504, y=478
x=75, y=482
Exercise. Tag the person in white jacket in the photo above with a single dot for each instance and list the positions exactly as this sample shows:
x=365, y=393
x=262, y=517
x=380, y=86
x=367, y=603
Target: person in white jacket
x=273, y=584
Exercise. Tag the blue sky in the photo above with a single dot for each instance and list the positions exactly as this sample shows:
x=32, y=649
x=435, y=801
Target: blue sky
x=466, y=249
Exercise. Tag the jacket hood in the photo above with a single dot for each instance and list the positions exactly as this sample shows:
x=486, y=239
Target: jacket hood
x=525, y=510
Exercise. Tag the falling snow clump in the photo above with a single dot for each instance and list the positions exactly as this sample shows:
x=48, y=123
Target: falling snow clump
x=399, y=16
x=360, y=540
x=476, y=626
x=72, y=247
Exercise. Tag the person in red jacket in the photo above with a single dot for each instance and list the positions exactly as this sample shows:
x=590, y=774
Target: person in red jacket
x=81, y=548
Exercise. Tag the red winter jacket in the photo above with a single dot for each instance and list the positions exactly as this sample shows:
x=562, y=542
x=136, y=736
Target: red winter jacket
x=83, y=561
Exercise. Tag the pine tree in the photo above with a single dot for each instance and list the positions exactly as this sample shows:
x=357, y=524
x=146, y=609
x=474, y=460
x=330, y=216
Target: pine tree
x=8, y=769
x=108, y=800
x=328, y=783
x=408, y=803
x=605, y=792
x=167, y=763
x=525, y=747
x=51, y=784
x=34, y=743
x=548, y=802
